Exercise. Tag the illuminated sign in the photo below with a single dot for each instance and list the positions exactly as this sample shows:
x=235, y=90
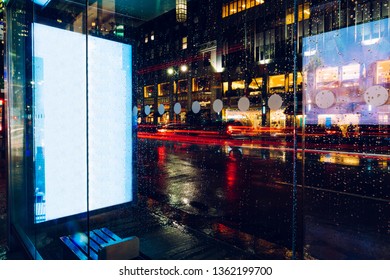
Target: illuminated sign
x=348, y=74
x=82, y=136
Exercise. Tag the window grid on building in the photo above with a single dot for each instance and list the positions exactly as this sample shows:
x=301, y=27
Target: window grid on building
x=237, y=6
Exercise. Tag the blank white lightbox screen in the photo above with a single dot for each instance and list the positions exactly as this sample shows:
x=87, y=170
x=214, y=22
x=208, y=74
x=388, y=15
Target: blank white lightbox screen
x=78, y=111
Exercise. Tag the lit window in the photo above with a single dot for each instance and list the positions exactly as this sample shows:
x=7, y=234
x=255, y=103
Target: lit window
x=256, y=83
x=163, y=89
x=303, y=13
x=225, y=87
x=238, y=85
x=238, y=6
x=350, y=72
x=146, y=38
x=232, y=9
x=327, y=76
x=291, y=79
x=383, y=72
x=224, y=14
x=276, y=81
x=148, y=91
x=184, y=43
x=152, y=36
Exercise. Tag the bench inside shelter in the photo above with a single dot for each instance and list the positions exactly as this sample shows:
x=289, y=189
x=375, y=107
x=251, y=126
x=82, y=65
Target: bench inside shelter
x=102, y=244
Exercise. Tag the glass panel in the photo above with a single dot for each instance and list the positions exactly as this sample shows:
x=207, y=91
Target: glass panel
x=273, y=138
x=111, y=118
x=19, y=128
x=346, y=105
x=60, y=122
x=68, y=112
x=224, y=167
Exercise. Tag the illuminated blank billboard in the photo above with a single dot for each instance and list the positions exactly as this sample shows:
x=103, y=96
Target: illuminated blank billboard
x=346, y=75
x=82, y=123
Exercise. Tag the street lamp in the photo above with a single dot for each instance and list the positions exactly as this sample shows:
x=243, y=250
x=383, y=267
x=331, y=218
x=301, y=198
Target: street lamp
x=172, y=71
x=175, y=75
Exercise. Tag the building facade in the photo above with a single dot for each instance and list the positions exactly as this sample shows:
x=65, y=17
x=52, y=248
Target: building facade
x=249, y=48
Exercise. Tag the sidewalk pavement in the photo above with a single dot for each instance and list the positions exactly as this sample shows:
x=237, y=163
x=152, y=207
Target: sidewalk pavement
x=161, y=237
x=3, y=212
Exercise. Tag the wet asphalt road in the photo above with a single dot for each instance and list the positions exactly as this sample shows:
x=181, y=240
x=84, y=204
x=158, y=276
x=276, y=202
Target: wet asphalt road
x=245, y=193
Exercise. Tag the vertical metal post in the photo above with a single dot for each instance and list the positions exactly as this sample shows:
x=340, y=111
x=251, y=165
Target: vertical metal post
x=172, y=88
x=295, y=142
x=87, y=113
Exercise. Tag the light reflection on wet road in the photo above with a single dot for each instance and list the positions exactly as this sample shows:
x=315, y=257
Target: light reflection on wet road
x=246, y=193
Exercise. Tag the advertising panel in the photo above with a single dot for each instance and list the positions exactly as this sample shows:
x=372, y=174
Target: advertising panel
x=82, y=126
x=346, y=75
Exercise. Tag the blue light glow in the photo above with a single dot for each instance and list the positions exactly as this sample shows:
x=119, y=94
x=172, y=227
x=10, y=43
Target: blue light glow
x=350, y=65
x=61, y=121
x=42, y=3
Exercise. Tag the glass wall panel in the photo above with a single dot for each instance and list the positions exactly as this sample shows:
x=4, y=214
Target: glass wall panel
x=273, y=138
x=72, y=137
x=19, y=114
x=111, y=122
x=346, y=105
x=47, y=155
x=227, y=168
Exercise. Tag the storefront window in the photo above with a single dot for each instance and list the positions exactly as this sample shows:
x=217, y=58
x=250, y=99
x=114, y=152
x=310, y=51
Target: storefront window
x=383, y=72
x=291, y=79
x=256, y=83
x=148, y=91
x=163, y=89
x=277, y=83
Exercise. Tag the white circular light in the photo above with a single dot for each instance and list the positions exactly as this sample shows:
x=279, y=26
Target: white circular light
x=275, y=102
x=217, y=105
x=177, y=108
x=376, y=96
x=147, y=110
x=161, y=109
x=243, y=104
x=195, y=107
x=325, y=99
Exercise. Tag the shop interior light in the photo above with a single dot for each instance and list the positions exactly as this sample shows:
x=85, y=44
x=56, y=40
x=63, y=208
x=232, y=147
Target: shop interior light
x=265, y=61
x=309, y=52
x=370, y=42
